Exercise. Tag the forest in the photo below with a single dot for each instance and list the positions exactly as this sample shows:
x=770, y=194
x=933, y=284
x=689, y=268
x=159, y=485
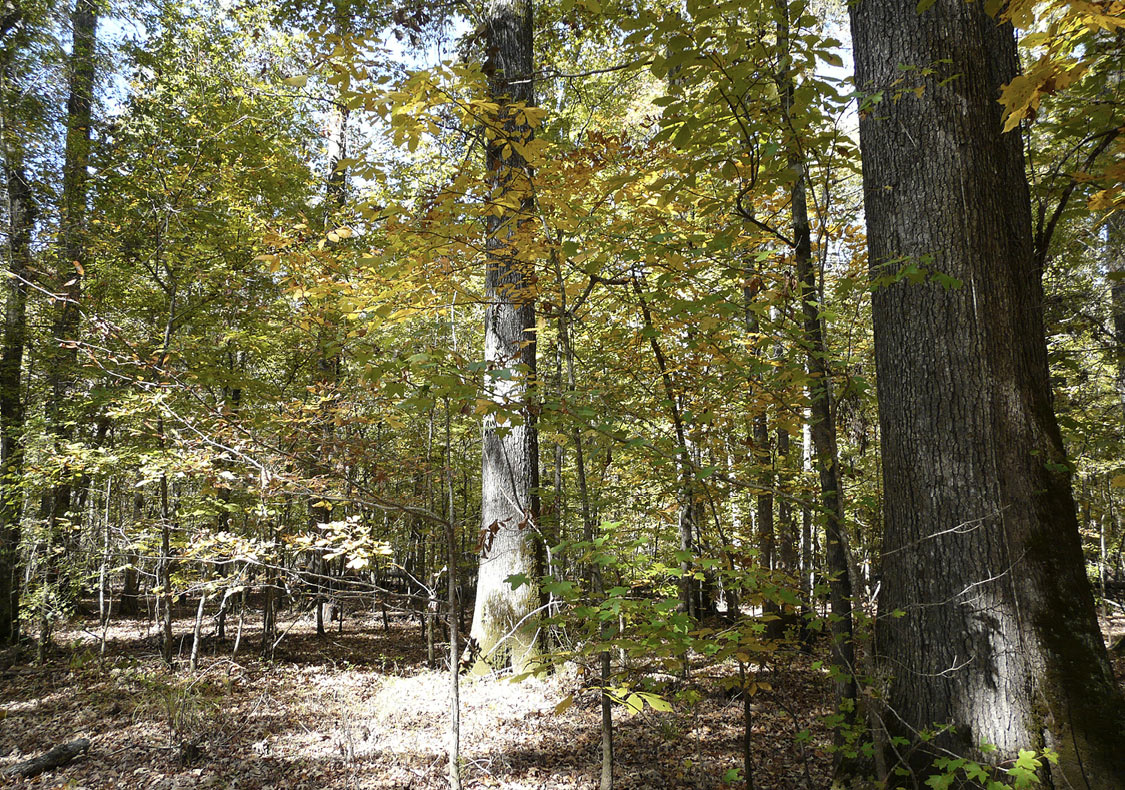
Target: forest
x=569, y=394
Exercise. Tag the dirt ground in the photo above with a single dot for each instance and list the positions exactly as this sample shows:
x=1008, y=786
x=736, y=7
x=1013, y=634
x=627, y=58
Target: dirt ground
x=361, y=710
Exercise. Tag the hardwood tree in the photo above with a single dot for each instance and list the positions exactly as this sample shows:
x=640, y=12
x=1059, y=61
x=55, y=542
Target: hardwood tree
x=1115, y=266
x=510, y=475
x=987, y=627
x=822, y=426
x=71, y=270
x=21, y=215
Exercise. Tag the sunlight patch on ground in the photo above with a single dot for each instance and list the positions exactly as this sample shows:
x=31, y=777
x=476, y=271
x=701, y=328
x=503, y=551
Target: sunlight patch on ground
x=30, y=705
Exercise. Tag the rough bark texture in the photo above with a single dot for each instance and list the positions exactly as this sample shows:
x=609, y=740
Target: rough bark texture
x=54, y=758
x=509, y=496
x=997, y=634
x=21, y=219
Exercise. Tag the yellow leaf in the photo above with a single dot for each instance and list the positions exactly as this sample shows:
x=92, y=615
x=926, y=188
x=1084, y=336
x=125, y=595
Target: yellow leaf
x=634, y=704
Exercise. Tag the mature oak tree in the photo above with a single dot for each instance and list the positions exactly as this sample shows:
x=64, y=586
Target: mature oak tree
x=987, y=621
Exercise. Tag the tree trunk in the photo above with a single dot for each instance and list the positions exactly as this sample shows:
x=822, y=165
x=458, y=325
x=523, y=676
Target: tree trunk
x=454, y=745
x=197, y=631
x=327, y=363
x=510, y=475
x=822, y=423
x=593, y=570
x=787, y=552
x=165, y=577
x=987, y=619
x=21, y=221
x=127, y=606
x=1115, y=266
x=688, y=594
x=72, y=251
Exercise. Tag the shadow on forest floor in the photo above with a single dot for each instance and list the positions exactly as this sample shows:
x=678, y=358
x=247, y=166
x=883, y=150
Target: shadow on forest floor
x=361, y=710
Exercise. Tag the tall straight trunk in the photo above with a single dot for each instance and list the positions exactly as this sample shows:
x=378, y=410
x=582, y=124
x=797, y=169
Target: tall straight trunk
x=166, y=515
x=510, y=474
x=593, y=570
x=822, y=415
x=981, y=552
x=105, y=594
x=165, y=574
x=232, y=397
x=808, y=552
x=454, y=745
x=21, y=220
x=763, y=456
x=787, y=551
x=73, y=227
x=197, y=631
x=1115, y=265
x=127, y=606
x=327, y=363
x=597, y=586
x=688, y=596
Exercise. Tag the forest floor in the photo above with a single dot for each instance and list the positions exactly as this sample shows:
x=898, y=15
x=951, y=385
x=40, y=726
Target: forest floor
x=361, y=710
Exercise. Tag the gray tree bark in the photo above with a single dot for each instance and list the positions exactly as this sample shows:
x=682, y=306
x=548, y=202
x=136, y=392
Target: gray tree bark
x=510, y=478
x=987, y=621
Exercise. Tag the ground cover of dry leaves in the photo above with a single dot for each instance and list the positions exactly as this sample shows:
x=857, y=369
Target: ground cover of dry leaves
x=360, y=710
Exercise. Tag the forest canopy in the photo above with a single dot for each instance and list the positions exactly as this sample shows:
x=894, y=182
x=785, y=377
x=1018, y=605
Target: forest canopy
x=674, y=352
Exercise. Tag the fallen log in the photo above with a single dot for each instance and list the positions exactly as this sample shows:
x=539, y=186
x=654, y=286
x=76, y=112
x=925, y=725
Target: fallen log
x=56, y=757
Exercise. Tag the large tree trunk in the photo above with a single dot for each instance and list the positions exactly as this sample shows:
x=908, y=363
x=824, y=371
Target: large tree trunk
x=987, y=619
x=21, y=220
x=510, y=478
